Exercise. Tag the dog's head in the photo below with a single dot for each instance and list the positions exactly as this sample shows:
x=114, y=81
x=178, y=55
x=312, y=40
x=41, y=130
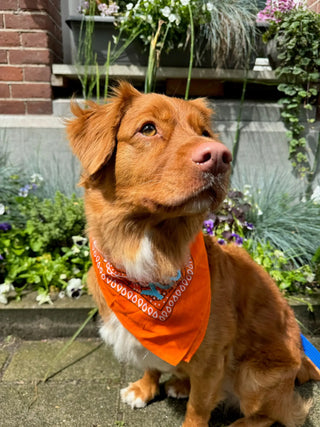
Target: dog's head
x=151, y=153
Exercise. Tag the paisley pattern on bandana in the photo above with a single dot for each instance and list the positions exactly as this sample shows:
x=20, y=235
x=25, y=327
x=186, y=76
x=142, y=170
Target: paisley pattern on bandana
x=154, y=299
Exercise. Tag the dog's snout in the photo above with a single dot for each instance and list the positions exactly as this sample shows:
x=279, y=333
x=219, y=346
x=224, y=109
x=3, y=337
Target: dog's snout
x=212, y=157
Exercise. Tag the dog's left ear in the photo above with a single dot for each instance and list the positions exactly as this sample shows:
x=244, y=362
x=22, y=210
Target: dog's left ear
x=92, y=134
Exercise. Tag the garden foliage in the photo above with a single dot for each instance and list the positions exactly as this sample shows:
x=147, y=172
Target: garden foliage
x=42, y=241
x=295, y=29
x=43, y=247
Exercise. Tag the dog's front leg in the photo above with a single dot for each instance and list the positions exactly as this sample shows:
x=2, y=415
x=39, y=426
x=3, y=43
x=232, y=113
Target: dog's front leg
x=205, y=394
x=139, y=393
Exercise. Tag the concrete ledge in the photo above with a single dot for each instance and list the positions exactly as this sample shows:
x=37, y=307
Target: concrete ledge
x=138, y=73
x=28, y=320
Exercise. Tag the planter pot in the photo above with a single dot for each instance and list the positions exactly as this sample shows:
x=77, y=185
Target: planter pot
x=104, y=30
x=266, y=50
x=272, y=54
x=135, y=53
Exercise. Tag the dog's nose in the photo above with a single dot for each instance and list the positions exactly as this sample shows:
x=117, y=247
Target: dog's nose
x=212, y=157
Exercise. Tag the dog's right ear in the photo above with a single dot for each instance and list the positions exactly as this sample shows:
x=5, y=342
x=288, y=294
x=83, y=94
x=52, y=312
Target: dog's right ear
x=92, y=134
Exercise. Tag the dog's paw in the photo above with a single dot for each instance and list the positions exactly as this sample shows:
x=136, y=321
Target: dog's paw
x=132, y=397
x=178, y=388
x=138, y=394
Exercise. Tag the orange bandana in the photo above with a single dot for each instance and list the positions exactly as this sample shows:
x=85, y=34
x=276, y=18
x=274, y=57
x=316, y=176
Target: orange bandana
x=169, y=320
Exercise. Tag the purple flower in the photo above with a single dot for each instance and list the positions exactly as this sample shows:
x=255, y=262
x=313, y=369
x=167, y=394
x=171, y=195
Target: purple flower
x=221, y=241
x=1, y=258
x=208, y=225
x=273, y=8
x=24, y=191
x=249, y=225
x=238, y=239
x=5, y=226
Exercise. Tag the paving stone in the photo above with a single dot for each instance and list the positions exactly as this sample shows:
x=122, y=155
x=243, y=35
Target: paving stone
x=82, y=360
x=86, y=390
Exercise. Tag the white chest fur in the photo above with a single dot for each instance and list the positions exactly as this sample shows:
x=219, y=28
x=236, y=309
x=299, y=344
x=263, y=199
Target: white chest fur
x=128, y=349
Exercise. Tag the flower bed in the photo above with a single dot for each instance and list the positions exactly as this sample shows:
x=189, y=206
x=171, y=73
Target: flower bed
x=43, y=246
x=42, y=242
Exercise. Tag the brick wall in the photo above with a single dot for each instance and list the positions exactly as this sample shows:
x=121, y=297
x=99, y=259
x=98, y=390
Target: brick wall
x=30, y=41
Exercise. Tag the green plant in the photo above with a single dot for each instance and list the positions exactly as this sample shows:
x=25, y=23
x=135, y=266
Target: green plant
x=41, y=240
x=44, y=250
x=228, y=32
x=316, y=264
x=281, y=215
x=52, y=223
x=288, y=278
x=297, y=36
x=225, y=28
x=230, y=225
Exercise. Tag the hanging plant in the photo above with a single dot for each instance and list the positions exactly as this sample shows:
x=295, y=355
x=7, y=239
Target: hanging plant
x=296, y=32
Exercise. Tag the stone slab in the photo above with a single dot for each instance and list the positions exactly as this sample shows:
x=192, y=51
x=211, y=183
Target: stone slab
x=86, y=391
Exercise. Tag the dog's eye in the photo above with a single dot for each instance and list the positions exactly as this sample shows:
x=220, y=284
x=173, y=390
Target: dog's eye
x=148, y=129
x=206, y=134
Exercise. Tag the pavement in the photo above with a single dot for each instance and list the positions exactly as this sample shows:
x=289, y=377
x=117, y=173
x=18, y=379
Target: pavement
x=83, y=383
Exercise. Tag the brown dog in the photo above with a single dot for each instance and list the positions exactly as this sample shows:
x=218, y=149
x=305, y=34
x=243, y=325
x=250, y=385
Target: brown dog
x=204, y=312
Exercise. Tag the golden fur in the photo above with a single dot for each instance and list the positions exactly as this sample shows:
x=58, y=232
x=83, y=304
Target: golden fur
x=146, y=186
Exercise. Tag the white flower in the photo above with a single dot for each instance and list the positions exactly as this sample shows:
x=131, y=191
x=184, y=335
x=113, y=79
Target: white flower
x=63, y=276
x=173, y=17
x=43, y=298
x=75, y=249
x=184, y=2
x=36, y=178
x=129, y=6
x=2, y=209
x=74, y=288
x=79, y=240
x=278, y=254
x=310, y=277
x=315, y=197
x=209, y=6
x=5, y=288
x=166, y=11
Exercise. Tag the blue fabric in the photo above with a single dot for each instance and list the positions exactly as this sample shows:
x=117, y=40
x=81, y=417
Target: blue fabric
x=311, y=351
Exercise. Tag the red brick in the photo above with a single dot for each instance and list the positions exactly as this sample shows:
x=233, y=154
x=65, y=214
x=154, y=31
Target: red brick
x=24, y=21
x=4, y=90
x=29, y=56
x=31, y=90
x=55, y=14
x=35, y=39
x=1, y=21
x=8, y=73
x=33, y=4
x=9, y=38
x=53, y=8
x=39, y=107
x=3, y=56
x=39, y=74
x=12, y=107
x=9, y=4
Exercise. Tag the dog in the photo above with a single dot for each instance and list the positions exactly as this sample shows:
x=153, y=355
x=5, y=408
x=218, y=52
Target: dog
x=171, y=299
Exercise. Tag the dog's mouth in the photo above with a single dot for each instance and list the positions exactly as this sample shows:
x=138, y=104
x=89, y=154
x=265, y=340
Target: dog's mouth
x=196, y=201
